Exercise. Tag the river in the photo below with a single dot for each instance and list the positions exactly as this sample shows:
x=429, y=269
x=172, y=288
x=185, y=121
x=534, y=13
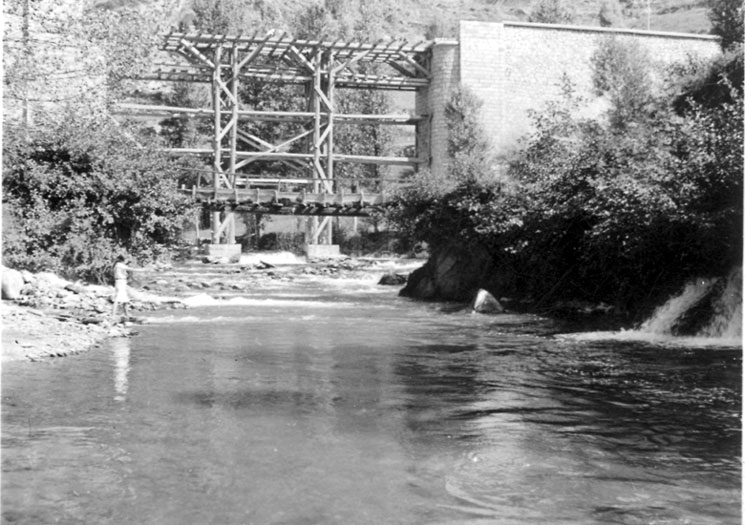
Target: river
x=334, y=401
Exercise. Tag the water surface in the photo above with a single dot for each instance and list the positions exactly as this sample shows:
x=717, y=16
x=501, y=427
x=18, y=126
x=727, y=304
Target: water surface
x=338, y=402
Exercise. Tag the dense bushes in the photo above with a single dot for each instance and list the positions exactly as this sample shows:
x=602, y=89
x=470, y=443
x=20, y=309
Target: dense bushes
x=81, y=192
x=622, y=208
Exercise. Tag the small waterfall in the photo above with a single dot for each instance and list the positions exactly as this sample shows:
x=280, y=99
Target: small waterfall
x=726, y=320
x=713, y=307
x=664, y=317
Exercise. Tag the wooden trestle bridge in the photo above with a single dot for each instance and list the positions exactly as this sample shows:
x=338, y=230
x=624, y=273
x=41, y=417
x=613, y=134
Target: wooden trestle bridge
x=322, y=68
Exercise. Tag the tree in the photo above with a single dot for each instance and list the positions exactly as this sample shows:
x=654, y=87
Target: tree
x=80, y=191
x=727, y=21
x=60, y=53
x=551, y=12
x=622, y=71
x=610, y=14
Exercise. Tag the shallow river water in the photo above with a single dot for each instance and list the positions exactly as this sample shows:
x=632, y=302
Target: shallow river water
x=338, y=402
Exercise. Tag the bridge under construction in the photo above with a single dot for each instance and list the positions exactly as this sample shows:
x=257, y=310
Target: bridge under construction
x=235, y=182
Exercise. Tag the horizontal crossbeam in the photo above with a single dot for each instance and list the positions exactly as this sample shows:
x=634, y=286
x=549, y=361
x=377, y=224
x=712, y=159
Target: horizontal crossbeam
x=289, y=202
x=278, y=156
x=377, y=51
x=349, y=81
x=269, y=116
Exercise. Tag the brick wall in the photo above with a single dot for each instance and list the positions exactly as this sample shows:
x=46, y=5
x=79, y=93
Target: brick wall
x=514, y=67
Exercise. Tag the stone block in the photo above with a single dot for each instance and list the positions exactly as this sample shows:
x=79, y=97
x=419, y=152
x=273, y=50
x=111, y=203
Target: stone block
x=229, y=252
x=322, y=251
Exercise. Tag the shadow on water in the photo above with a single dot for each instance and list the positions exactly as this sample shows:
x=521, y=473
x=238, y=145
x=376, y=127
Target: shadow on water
x=264, y=400
x=629, y=399
x=646, y=398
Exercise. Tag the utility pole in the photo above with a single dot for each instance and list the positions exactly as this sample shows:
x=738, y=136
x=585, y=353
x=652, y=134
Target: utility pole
x=25, y=116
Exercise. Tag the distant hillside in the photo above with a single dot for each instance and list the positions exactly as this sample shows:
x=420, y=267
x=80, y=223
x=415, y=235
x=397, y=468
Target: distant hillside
x=417, y=19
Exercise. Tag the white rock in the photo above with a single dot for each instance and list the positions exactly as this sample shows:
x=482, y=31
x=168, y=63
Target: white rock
x=486, y=303
x=51, y=279
x=12, y=283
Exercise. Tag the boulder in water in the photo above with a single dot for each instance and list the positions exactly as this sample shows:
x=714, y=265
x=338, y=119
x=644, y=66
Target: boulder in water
x=486, y=303
x=12, y=283
x=392, y=279
x=452, y=273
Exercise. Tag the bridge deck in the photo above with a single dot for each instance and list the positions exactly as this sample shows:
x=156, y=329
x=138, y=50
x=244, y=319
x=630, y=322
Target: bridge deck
x=257, y=200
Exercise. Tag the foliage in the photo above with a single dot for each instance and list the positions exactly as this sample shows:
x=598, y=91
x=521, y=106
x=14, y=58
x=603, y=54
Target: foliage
x=727, y=18
x=710, y=84
x=57, y=52
x=468, y=202
x=551, y=12
x=471, y=156
x=611, y=209
x=622, y=71
x=81, y=192
x=355, y=20
x=610, y=14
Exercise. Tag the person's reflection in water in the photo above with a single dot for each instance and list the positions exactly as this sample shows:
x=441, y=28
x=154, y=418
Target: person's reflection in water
x=120, y=353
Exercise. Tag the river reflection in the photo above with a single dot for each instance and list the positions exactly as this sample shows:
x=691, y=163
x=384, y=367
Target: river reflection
x=120, y=349
x=372, y=410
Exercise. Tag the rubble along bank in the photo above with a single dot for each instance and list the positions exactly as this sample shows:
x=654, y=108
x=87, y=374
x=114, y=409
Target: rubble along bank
x=51, y=317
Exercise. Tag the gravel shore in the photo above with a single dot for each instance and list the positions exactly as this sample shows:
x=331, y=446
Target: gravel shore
x=53, y=317
x=31, y=334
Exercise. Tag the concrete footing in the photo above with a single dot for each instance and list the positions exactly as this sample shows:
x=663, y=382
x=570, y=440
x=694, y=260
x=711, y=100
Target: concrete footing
x=231, y=252
x=322, y=251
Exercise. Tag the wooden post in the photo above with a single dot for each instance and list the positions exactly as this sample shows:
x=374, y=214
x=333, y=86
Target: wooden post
x=235, y=69
x=328, y=234
x=216, y=142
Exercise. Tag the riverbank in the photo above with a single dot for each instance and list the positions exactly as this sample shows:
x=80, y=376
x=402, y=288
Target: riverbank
x=53, y=317
x=33, y=335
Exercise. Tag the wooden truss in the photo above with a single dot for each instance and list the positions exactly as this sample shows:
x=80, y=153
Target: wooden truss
x=322, y=67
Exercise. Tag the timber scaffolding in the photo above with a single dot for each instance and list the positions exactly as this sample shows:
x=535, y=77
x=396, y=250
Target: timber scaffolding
x=225, y=61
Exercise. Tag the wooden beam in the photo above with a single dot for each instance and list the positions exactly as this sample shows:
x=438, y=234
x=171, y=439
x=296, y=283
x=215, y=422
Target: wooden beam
x=269, y=116
x=361, y=159
x=368, y=159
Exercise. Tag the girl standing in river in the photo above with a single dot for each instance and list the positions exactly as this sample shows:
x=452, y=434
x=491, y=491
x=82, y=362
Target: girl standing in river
x=120, y=286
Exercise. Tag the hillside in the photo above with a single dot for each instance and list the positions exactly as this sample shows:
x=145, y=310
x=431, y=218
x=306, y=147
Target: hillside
x=416, y=19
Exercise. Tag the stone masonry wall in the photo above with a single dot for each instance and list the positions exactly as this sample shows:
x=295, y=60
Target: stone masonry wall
x=514, y=67
x=432, y=134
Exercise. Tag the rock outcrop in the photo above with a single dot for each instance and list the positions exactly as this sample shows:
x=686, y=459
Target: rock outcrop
x=452, y=274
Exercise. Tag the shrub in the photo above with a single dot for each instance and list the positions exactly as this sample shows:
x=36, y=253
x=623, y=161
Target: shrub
x=81, y=192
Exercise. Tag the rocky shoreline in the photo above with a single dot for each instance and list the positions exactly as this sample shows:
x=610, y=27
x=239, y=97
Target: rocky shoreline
x=45, y=316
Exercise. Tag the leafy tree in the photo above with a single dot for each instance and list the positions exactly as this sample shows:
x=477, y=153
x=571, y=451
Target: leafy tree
x=551, y=12
x=468, y=203
x=610, y=13
x=709, y=84
x=623, y=214
x=622, y=71
x=727, y=21
x=83, y=190
x=57, y=53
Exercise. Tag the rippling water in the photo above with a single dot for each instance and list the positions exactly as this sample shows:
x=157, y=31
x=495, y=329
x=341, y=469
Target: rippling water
x=338, y=402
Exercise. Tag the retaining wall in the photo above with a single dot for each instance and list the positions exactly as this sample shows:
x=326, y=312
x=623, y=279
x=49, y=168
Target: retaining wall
x=514, y=67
